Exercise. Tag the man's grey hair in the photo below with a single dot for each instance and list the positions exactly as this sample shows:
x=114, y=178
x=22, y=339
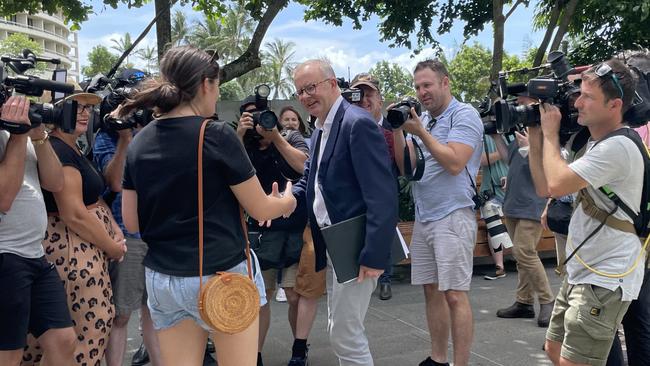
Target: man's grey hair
x=323, y=65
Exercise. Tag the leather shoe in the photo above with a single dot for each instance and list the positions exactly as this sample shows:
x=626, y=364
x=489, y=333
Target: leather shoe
x=545, y=311
x=298, y=361
x=385, y=292
x=517, y=310
x=140, y=357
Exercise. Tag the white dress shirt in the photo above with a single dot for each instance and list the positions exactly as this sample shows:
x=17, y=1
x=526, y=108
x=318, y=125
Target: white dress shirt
x=320, y=211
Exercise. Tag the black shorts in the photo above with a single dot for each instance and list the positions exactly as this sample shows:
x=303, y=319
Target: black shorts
x=32, y=300
x=276, y=249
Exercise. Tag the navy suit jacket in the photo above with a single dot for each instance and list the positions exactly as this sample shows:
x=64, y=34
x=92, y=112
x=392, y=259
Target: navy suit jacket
x=355, y=178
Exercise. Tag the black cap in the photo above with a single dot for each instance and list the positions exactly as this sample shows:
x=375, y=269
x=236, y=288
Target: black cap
x=244, y=103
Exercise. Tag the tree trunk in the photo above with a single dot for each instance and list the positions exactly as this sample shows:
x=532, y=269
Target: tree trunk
x=564, y=24
x=163, y=27
x=498, y=20
x=552, y=23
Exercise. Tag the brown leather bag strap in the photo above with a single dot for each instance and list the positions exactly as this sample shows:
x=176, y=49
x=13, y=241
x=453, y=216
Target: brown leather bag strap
x=200, y=205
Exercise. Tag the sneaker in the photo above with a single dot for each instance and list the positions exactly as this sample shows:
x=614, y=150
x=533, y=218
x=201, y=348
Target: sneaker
x=430, y=362
x=517, y=310
x=545, y=311
x=280, y=296
x=500, y=272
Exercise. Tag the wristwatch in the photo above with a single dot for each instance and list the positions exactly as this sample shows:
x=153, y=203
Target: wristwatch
x=41, y=141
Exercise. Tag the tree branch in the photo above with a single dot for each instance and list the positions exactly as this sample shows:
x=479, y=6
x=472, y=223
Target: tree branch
x=564, y=24
x=513, y=8
x=552, y=23
x=250, y=59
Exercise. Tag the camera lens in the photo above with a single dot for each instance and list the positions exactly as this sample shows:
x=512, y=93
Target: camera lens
x=267, y=119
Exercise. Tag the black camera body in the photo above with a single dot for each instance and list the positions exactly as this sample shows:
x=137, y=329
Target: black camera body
x=62, y=115
x=352, y=95
x=401, y=112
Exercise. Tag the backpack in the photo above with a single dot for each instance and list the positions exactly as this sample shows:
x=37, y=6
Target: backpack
x=641, y=221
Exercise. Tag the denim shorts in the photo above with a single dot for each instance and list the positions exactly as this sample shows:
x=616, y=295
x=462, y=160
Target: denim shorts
x=172, y=299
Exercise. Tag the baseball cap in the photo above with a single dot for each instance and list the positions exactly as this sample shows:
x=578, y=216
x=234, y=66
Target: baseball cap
x=365, y=79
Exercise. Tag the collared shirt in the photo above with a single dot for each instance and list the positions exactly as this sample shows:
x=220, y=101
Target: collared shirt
x=320, y=210
x=439, y=193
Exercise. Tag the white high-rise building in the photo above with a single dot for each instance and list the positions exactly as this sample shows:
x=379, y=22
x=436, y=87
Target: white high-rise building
x=56, y=40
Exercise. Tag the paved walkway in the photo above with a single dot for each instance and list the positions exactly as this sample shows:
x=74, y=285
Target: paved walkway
x=398, y=332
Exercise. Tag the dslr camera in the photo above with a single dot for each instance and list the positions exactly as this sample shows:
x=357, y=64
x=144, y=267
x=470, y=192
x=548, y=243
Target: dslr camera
x=62, y=115
x=401, y=112
x=555, y=89
x=262, y=116
x=352, y=95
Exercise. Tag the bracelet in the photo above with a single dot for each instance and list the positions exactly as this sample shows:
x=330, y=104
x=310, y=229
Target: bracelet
x=41, y=141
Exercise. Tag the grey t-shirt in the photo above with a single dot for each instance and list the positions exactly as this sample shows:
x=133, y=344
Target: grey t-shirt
x=22, y=228
x=609, y=251
x=521, y=200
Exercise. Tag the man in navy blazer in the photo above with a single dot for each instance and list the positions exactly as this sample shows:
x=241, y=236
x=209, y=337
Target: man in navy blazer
x=348, y=174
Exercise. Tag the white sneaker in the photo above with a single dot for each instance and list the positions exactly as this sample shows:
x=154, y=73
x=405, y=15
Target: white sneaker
x=280, y=296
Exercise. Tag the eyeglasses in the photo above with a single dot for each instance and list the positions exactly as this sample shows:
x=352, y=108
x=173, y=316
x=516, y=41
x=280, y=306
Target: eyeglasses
x=84, y=108
x=309, y=89
x=603, y=70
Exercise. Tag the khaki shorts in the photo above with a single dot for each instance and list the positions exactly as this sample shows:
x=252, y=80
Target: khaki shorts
x=584, y=320
x=288, y=277
x=309, y=283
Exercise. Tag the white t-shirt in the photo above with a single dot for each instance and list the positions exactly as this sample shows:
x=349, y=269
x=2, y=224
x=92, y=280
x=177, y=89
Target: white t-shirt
x=22, y=228
x=617, y=163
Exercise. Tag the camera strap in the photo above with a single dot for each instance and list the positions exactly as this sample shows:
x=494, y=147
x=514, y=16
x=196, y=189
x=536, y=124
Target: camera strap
x=419, y=161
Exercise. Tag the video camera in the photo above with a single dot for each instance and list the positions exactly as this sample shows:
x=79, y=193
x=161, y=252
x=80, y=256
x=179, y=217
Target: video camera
x=62, y=115
x=352, y=95
x=401, y=112
x=114, y=92
x=555, y=89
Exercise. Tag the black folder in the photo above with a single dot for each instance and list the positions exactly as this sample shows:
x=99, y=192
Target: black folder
x=344, y=241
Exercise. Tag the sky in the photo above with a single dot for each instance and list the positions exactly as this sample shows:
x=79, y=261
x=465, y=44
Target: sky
x=351, y=51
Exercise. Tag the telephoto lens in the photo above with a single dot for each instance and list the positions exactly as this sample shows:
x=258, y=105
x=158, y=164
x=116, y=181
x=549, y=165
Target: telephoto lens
x=497, y=234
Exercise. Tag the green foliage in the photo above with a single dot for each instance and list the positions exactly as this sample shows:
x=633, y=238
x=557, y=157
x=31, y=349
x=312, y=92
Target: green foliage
x=406, y=211
x=14, y=45
x=123, y=44
x=149, y=55
x=394, y=81
x=278, y=57
x=470, y=72
x=231, y=91
x=101, y=61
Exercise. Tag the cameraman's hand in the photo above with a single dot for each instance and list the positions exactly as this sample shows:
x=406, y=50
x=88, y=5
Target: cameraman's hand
x=16, y=109
x=272, y=135
x=550, y=119
x=125, y=134
x=522, y=138
x=245, y=123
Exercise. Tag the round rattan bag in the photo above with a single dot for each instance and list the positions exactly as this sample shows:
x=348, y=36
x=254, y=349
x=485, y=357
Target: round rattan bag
x=229, y=302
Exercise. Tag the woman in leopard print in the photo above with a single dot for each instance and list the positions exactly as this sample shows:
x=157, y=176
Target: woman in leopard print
x=81, y=237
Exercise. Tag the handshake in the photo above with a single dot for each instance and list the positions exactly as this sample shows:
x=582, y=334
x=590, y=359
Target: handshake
x=285, y=201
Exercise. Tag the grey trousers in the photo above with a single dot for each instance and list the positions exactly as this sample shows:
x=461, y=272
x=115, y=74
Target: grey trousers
x=347, y=305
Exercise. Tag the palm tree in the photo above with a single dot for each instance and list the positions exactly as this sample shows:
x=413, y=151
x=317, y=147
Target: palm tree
x=279, y=56
x=180, y=29
x=229, y=35
x=149, y=55
x=123, y=44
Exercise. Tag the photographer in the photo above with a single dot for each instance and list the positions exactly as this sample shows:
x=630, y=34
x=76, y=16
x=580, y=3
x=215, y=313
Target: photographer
x=127, y=277
x=445, y=228
x=278, y=156
x=38, y=302
x=372, y=101
x=603, y=249
x=523, y=209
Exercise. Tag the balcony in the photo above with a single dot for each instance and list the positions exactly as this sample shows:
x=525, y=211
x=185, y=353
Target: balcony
x=36, y=31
